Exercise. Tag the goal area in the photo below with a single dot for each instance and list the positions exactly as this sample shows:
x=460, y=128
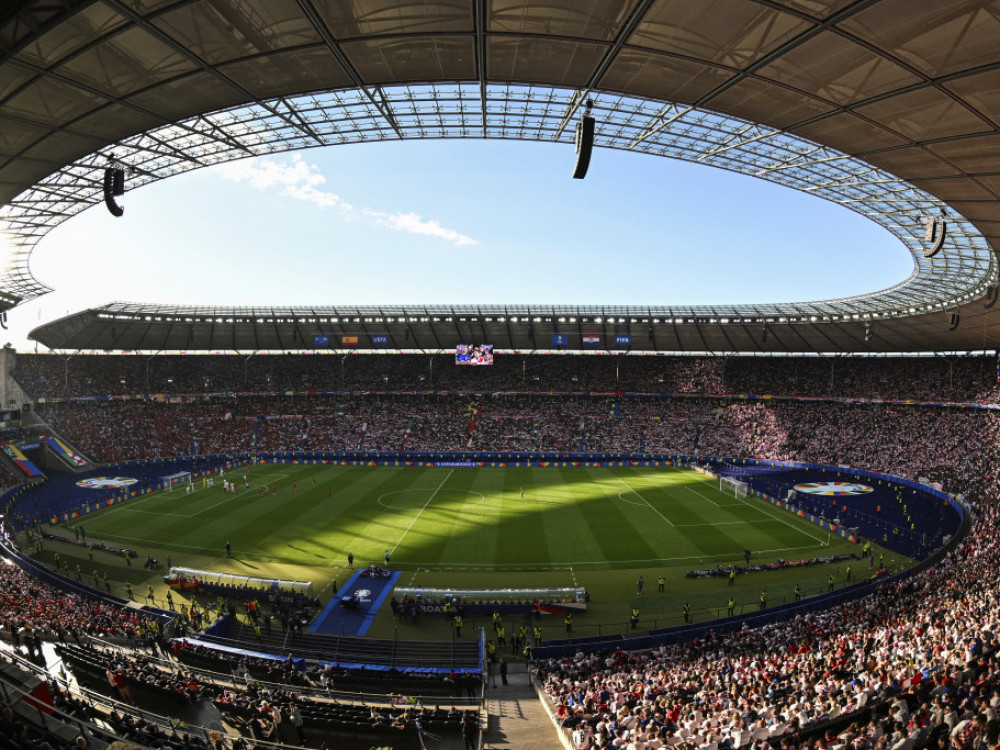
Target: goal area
x=173, y=480
x=733, y=487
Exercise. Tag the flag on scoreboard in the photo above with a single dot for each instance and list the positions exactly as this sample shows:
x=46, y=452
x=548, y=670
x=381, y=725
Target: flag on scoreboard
x=380, y=339
x=321, y=339
x=560, y=339
x=623, y=339
x=591, y=339
x=349, y=339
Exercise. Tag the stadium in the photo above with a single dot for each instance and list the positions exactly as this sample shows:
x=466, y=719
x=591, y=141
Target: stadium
x=391, y=525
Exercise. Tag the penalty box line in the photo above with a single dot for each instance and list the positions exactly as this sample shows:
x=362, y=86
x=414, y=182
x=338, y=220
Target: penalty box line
x=648, y=505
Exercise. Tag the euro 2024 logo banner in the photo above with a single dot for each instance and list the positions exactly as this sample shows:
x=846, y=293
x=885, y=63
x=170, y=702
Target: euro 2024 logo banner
x=833, y=488
x=106, y=483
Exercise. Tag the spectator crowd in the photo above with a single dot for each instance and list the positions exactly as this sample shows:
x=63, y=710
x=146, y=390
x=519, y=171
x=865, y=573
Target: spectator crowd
x=922, y=652
x=959, y=448
x=945, y=378
x=32, y=611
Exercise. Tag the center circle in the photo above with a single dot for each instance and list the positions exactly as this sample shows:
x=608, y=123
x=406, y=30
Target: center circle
x=630, y=502
x=380, y=498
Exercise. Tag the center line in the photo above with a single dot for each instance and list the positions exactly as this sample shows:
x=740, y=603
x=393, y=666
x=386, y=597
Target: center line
x=393, y=550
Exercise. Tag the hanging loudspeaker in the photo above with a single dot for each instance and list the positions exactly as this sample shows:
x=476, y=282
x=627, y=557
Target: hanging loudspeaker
x=935, y=233
x=584, y=146
x=114, y=184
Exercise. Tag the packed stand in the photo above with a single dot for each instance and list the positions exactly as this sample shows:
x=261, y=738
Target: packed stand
x=927, y=645
x=956, y=447
x=31, y=611
x=9, y=476
x=942, y=378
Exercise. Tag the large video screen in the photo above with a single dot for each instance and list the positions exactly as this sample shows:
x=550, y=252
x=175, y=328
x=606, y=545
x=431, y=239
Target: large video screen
x=474, y=354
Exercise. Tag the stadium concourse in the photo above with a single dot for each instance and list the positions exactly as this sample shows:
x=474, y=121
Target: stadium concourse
x=913, y=665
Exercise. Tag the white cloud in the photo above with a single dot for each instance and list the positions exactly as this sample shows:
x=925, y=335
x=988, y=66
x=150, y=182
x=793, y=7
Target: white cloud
x=297, y=180
x=412, y=223
x=302, y=181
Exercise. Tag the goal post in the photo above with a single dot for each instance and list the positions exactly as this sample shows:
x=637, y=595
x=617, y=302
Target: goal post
x=733, y=487
x=173, y=480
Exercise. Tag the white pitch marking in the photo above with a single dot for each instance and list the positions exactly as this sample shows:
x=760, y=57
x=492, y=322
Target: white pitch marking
x=645, y=501
x=421, y=511
x=602, y=563
x=787, y=523
x=155, y=513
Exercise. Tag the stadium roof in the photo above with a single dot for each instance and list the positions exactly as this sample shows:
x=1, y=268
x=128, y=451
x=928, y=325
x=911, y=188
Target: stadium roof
x=888, y=107
x=763, y=329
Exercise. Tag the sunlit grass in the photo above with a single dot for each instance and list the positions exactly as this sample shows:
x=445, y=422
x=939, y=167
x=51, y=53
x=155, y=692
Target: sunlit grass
x=473, y=518
x=470, y=527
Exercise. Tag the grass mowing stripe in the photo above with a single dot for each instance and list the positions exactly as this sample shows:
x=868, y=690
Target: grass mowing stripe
x=645, y=501
x=620, y=529
x=520, y=536
x=421, y=511
x=784, y=521
x=718, y=505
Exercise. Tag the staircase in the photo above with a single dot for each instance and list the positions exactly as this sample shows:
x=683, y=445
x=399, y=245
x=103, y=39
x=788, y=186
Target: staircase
x=517, y=719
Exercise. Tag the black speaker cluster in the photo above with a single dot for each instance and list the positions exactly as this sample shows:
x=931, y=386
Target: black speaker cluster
x=114, y=186
x=584, y=146
x=935, y=234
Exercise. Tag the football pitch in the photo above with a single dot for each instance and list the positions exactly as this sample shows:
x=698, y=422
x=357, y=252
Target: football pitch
x=595, y=527
x=472, y=519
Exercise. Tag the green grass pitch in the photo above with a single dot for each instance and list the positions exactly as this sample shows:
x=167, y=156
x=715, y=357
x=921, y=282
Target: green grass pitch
x=599, y=528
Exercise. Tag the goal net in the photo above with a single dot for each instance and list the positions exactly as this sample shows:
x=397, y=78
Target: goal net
x=733, y=487
x=173, y=480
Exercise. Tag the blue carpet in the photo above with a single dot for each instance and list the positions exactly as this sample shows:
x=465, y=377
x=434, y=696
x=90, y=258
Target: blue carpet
x=367, y=592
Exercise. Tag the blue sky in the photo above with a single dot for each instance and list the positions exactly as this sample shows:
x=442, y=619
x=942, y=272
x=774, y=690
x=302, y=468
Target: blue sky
x=459, y=222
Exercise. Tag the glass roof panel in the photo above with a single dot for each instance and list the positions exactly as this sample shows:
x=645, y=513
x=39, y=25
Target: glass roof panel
x=727, y=32
x=126, y=62
x=934, y=37
x=597, y=19
x=219, y=32
x=350, y=19
x=653, y=75
x=523, y=58
x=287, y=72
x=412, y=58
x=539, y=113
x=838, y=70
x=75, y=32
x=925, y=114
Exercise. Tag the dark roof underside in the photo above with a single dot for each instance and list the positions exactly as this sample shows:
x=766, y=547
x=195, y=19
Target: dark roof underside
x=910, y=86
